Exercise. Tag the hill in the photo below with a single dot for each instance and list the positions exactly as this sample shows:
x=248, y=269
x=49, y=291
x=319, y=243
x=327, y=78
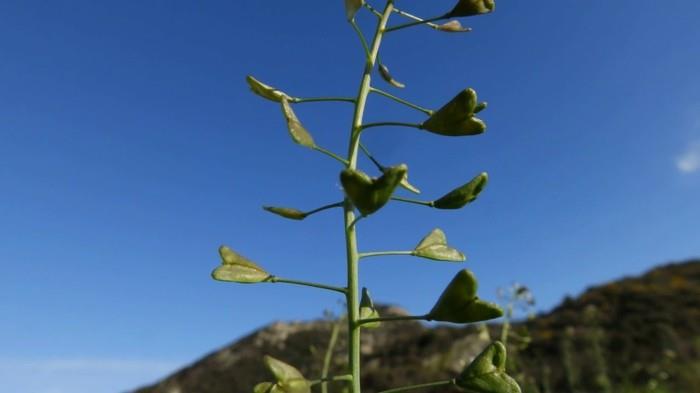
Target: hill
x=639, y=334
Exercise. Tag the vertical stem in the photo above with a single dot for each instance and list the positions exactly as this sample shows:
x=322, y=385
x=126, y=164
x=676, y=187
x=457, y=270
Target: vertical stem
x=350, y=230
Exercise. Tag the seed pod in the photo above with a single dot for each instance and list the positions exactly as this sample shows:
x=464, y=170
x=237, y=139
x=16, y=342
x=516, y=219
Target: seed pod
x=472, y=7
x=487, y=373
x=237, y=268
x=453, y=26
x=297, y=131
x=434, y=246
x=367, y=309
x=351, y=7
x=286, y=212
x=459, y=303
x=463, y=195
x=370, y=194
x=266, y=91
x=480, y=106
x=386, y=75
x=289, y=379
x=456, y=118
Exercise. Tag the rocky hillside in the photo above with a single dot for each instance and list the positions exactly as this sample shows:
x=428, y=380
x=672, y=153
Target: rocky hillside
x=637, y=334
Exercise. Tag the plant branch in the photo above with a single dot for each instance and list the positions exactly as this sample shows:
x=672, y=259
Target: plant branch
x=275, y=279
x=395, y=318
x=297, y=100
x=329, y=355
x=390, y=123
x=385, y=253
x=401, y=101
x=363, y=40
x=330, y=154
x=332, y=205
x=415, y=23
x=372, y=9
x=337, y=378
x=415, y=201
x=421, y=386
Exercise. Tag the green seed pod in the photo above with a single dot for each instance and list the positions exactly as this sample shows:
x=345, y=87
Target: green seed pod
x=351, y=8
x=237, y=268
x=487, y=373
x=266, y=387
x=453, y=26
x=297, y=131
x=289, y=379
x=367, y=309
x=480, y=106
x=434, y=246
x=370, y=194
x=404, y=183
x=459, y=303
x=456, y=118
x=386, y=75
x=472, y=7
x=463, y=195
x=286, y=212
x=266, y=91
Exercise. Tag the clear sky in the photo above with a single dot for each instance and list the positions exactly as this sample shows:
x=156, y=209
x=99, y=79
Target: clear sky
x=131, y=148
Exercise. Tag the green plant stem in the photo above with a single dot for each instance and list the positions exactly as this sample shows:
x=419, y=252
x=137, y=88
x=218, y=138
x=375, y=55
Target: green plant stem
x=371, y=158
x=393, y=319
x=505, y=330
x=401, y=101
x=331, y=206
x=331, y=154
x=363, y=40
x=384, y=253
x=415, y=23
x=415, y=201
x=421, y=386
x=352, y=294
x=373, y=10
x=390, y=123
x=323, y=99
x=329, y=355
x=337, y=378
x=275, y=279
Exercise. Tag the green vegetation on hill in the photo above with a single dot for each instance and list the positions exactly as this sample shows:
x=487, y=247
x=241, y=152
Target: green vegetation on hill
x=638, y=334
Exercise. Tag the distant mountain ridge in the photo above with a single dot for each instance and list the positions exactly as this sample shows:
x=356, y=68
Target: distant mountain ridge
x=639, y=334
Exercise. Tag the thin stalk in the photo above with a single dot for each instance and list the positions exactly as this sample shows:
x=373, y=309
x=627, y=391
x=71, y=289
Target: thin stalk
x=373, y=10
x=337, y=378
x=390, y=123
x=331, y=154
x=385, y=253
x=416, y=18
x=401, y=101
x=393, y=319
x=275, y=279
x=415, y=201
x=332, y=205
x=352, y=294
x=329, y=355
x=369, y=155
x=363, y=40
x=421, y=386
x=322, y=99
x=415, y=23
x=505, y=330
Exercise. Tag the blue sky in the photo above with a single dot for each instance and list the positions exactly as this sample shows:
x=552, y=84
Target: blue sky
x=131, y=148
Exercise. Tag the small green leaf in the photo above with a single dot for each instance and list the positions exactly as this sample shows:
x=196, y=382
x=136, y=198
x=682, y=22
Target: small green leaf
x=472, y=7
x=367, y=309
x=370, y=194
x=296, y=130
x=351, y=7
x=237, y=268
x=459, y=303
x=434, y=246
x=464, y=194
x=453, y=26
x=286, y=212
x=456, y=118
x=386, y=75
x=266, y=91
x=487, y=373
x=289, y=379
